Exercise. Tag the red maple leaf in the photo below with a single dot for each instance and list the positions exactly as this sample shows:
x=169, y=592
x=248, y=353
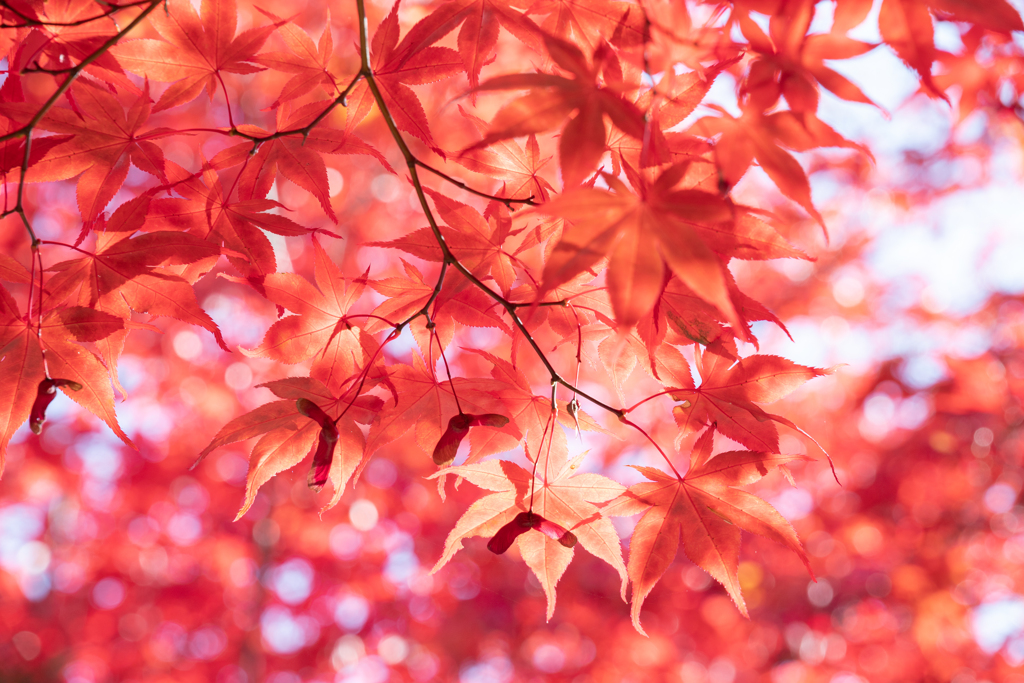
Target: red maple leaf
x=793, y=64
x=205, y=212
x=458, y=301
x=12, y=271
x=478, y=241
x=12, y=152
x=755, y=136
x=194, y=52
x=729, y=393
x=591, y=93
x=308, y=61
x=127, y=268
x=23, y=373
x=906, y=26
x=704, y=511
x=528, y=411
x=478, y=38
x=642, y=234
x=397, y=65
x=590, y=22
x=288, y=429
x=299, y=158
x=103, y=141
x=65, y=36
x=560, y=495
x=422, y=401
x=320, y=329
x=507, y=161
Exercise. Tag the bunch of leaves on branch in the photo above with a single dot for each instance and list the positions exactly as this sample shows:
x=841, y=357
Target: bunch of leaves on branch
x=569, y=267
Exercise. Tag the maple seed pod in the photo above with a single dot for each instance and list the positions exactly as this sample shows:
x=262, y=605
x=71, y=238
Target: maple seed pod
x=522, y=523
x=324, y=454
x=322, y=459
x=555, y=532
x=448, y=445
x=44, y=396
x=508, y=534
x=314, y=412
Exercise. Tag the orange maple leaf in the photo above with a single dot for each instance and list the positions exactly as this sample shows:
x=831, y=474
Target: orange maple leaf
x=642, y=234
x=560, y=496
x=288, y=430
x=592, y=92
x=729, y=393
x=22, y=370
x=194, y=52
x=705, y=512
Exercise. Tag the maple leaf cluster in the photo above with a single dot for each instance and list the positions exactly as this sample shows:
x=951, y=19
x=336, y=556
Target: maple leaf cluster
x=587, y=263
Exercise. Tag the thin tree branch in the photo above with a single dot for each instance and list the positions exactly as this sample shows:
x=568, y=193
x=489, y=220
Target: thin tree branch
x=26, y=130
x=29, y=21
x=458, y=183
x=73, y=74
x=412, y=165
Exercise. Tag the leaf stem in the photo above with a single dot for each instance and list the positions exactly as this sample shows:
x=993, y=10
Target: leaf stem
x=411, y=164
x=527, y=304
x=549, y=423
x=651, y=397
x=447, y=370
x=227, y=99
x=654, y=443
x=507, y=201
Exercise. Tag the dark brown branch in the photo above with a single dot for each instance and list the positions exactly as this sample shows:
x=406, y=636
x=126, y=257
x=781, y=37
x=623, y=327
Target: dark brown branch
x=28, y=21
x=304, y=131
x=26, y=130
x=507, y=201
x=450, y=258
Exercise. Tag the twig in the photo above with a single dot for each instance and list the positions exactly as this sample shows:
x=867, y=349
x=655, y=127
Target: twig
x=507, y=201
x=304, y=131
x=26, y=130
x=447, y=370
x=29, y=21
x=550, y=422
x=412, y=165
